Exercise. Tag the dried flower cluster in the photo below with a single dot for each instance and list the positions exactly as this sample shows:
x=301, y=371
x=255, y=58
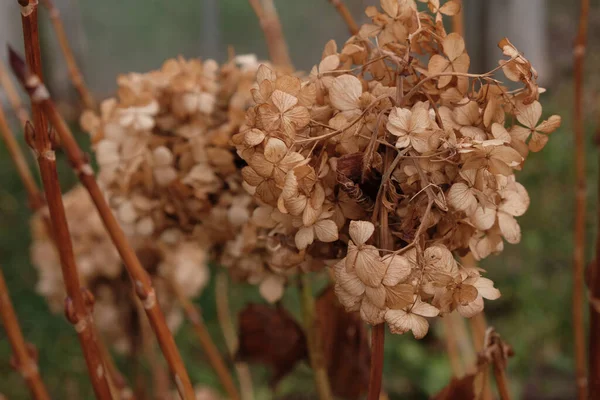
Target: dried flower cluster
x=391, y=159
x=102, y=272
x=167, y=167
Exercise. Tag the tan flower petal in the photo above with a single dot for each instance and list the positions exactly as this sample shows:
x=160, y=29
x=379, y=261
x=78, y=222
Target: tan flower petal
x=454, y=46
x=509, y=227
x=399, y=296
x=401, y=322
x=398, y=269
x=461, y=197
x=538, y=142
x=344, y=92
x=471, y=309
x=483, y=218
x=283, y=101
x=361, y=231
x=549, y=125
x=370, y=313
x=349, y=281
x=275, y=150
x=529, y=115
x=304, y=237
x=486, y=288
x=376, y=295
x=368, y=266
x=271, y=288
x=326, y=231
x=350, y=302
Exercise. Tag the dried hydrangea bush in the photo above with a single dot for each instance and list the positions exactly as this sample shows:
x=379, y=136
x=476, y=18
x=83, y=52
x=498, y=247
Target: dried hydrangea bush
x=171, y=175
x=390, y=160
x=101, y=271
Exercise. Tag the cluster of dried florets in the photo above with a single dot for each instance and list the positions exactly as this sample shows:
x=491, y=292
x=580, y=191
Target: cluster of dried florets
x=167, y=167
x=391, y=154
x=101, y=271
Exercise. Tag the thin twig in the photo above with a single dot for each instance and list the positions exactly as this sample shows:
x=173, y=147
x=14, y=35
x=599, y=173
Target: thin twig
x=501, y=381
x=593, y=278
x=580, y=205
x=25, y=362
x=269, y=22
x=313, y=338
x=141, y=280
x=346, y=15
x=79, y=302
x=478, y=325
x=13, y=96
x=34, y=195
x=36, y=203
x=63, y=41
x=230, y=336
x=378, y=331
x=160, y=387
x=209, y=347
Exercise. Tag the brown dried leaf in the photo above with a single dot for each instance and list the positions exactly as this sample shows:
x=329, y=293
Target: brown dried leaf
x=271, y=336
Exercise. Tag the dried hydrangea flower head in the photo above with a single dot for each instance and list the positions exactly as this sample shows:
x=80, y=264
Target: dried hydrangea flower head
x=168, y=169
x=392, y=159
x=101, y=270
x=95, y=255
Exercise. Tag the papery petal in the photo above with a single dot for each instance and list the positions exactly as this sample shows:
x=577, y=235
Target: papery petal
x=461, y=198
x=486, y=288
x=344, y=92
x=349, y=281
x=398, y=269
x=509, y=227
x=401, y=322
x=326, y=231
x=471, y=309
x=376, y=295
x=530, y=114
x=304, y=237
x=370, y=313
x=369, y=267
x=350, y=302
x=271, y=288
x=361, y=231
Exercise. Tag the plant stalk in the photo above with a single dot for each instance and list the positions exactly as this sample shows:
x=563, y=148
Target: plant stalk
x=313, y=338
x=580, y=204
x=140, y=279
x=594, y=293
x=63, y=41
x=209, y=347
x=230, y=336
x=25, y=362
x=79, y=302
x=35, y=197
x=13, y=96
x=269, y=22
x=346, y=15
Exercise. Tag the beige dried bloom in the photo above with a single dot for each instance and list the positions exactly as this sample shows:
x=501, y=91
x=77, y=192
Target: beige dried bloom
x=393, y=124
x=175, y=184
x=101, y=271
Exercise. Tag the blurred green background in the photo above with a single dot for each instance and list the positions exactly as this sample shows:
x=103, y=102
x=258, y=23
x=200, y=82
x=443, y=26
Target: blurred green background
x=534, y=313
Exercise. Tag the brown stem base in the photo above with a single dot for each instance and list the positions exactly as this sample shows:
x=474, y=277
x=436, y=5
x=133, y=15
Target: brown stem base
x=376, y=374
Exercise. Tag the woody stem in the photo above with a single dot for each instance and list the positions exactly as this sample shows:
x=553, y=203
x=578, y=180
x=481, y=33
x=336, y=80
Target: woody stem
x=313, y=336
